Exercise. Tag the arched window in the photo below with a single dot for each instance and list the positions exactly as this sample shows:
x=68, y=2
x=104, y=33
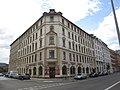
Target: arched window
x=83, y=70
x=72, y=70
x=34, y=71
x=79, y=69
x=64, y=70
x=40, y=70
x=87, y=70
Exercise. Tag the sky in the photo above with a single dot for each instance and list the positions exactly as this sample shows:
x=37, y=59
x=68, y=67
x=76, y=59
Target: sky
x=93, y=16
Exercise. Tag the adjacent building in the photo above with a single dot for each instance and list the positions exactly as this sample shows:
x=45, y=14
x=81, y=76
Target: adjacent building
x=115, y=59
x=102, y=56
x=3, y=68
x=55, y=47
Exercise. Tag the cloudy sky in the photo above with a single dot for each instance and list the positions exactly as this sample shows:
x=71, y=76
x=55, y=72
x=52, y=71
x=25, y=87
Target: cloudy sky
x=94, y=16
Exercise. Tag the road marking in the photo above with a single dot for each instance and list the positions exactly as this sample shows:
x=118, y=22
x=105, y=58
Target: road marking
x=44, y=86
x=112, y=85
x=47, y=81
x=47, y=86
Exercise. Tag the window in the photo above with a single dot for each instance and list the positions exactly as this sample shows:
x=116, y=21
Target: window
x=34, y=71
x=72, y=36
x=32, y=58
x=29, y=59
x=40, y=70
x=51, y=28
x=77, y=58
x=40, y=55
x=35, y=57
x=68, y=25
x=36, y=36
x=32, y=46
x=41, y=32
x=83, y=59
x=70, y=57
x=75, y=38
x=27, y=49
x=72, y=27
x=63, y=31
x=64, y=56
x=79, y=48
x=68, y=34
x=80, y=58
x=51, y=18
x=36, y=25
x=41, y=22
x=76, y=47
x=73, y=45
x=36, y=46
x=63, y=40
x=30, y=39
x=33, y=37
x=51, y=40
x=79, y=39
x=64, y=70
x=62, y=21
x=69, y=45
x=40, y=43
x=51, y=54
x=73, y=57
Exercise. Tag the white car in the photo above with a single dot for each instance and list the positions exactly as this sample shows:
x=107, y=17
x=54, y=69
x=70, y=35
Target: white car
x=1, y=74
x=80, y=76
x=11, y=74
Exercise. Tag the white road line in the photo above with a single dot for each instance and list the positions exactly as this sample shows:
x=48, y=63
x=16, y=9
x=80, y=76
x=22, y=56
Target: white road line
x=112, y=85
x=47, y=81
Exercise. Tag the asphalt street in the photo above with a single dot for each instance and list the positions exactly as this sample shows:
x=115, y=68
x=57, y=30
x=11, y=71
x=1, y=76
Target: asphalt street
x=109, y=82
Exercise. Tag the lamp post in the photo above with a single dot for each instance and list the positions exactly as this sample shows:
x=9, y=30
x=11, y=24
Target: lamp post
x=116, y=23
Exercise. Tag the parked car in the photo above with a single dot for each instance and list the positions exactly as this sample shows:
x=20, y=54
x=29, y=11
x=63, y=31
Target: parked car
x=93, y=75
x=6, y=75
x=24, y=76
x=100, y=73
x=90, y=75
x=105, y=73
x=80, y=76
x=12, y=74
x=16, y=76
x=1, y=74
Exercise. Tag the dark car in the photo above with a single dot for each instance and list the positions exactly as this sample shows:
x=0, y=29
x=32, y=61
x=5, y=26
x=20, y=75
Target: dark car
x=90, y=74
x=100, y=73
x=93, y=75
x=105, y=73
x=24, y=76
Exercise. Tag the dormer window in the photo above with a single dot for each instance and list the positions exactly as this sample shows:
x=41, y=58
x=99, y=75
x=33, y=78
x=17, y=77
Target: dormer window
x=51, y=18
x=62, y=21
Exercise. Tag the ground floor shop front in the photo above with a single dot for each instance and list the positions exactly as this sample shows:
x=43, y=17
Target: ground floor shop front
x=53, y=70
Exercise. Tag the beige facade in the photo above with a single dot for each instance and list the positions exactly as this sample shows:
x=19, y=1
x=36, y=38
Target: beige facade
x=53, y=47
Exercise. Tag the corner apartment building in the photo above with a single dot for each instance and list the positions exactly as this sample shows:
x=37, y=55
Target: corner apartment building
x=55, y=47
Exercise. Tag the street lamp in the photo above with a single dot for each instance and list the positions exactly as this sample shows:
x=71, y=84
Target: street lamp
x=116, y=23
